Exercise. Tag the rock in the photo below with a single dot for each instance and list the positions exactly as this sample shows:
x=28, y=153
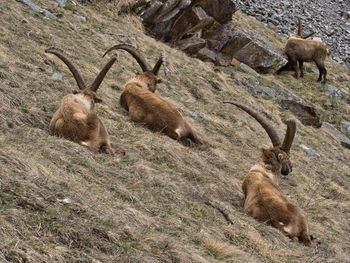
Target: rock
x=149, y=15
x=56, y=76
x=310, y=152
x=260, y=57
x=200, y=115
x=220, y=10
x=307, y=114
x=248, y=69
x=332, y=92
x=37, y=8
x=102, y=37
x=245, y=46
x=79, y=18
x=341, y=138
x=345, y=127
x=222, y=60
x=206, y=54
x=190, y=45
x=61, y=3
x=191, y=21
x=235, y=62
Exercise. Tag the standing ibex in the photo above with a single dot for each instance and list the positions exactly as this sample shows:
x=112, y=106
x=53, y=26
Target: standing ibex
x=75, y=119
x=146, y=107
x=299, y=49
x=264, y=200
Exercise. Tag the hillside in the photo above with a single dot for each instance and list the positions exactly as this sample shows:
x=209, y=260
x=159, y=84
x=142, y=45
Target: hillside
x=60, y=202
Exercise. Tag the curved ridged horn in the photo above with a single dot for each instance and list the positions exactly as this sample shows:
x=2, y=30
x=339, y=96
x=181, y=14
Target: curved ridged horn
x=72, y=67
x=290, y=133
x=270, y=130
x=299, y=27
x=102, y=74
x=157, y=66
x=135, y=53
x=309, y=35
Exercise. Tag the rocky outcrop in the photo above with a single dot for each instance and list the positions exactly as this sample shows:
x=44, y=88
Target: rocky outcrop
x=341, y=138
x=201, y=29
x=245, y=46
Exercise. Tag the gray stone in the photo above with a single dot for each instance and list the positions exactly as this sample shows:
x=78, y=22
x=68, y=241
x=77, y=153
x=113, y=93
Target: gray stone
x=200, y=115
x=260, y=57
x=56, y=76
x=190, y=45
x=61, y=3
x=340, y=137
x=102, y=37
x=221, y=10
x=311, y=153
x=345, y=127
x=149, y=15
x=246, y=46
x=248, y=69
x=332, y=92
x=79, y=18
x=206, y=54
x=307, y=114
x=38, y=9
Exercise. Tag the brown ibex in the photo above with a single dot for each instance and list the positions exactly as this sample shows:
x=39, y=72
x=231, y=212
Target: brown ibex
x=146, y=107
x=298, y=49
x=75, y=119
x=264, y=200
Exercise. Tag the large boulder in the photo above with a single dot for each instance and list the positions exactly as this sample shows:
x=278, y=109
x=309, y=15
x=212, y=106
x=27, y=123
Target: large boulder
x=307, y=114
x=220, y=10
x=190, y=22
x=341, y=138
x=190, y=45
x=246, y=46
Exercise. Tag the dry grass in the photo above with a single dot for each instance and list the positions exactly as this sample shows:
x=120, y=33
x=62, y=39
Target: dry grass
x=60, y=202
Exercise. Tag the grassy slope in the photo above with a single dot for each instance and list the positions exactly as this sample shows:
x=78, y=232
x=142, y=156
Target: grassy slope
x=60, y=202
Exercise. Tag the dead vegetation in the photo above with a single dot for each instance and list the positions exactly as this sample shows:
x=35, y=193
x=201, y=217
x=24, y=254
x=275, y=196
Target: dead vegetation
x=61, y=202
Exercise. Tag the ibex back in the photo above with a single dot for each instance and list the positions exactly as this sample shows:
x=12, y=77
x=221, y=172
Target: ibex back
x=146, y=107
x=298, y=49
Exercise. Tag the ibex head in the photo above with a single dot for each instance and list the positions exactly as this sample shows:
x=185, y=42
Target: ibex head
x=83, y=90
x=149, y=75
x=277, y=157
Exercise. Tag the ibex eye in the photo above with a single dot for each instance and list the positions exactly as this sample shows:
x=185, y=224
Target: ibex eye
x=280, y=156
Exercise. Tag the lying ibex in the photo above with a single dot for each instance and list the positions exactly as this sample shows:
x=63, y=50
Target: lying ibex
x=264, y=200
x=148, y=108
x=299, y=49
x=75, y=119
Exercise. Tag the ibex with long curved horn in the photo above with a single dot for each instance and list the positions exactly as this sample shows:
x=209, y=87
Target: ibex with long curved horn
x=264, y=200
x=75, y=119
x=144, y=106
x=299, y=50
